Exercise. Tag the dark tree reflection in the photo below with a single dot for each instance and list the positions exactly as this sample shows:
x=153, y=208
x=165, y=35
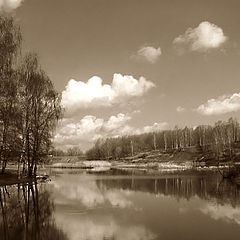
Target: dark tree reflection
x=206, y=186
x=27, y=214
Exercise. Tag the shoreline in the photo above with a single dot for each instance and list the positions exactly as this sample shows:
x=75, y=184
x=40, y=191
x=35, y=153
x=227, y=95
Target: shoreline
x=11, y=178
x=150, y=160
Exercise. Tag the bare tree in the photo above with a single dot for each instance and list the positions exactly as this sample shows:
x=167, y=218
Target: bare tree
x=41, y=110
x=10, y=42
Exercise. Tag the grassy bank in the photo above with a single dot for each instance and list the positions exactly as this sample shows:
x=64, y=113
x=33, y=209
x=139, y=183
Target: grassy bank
x=151, y=159
x=156, y=159
x=10, y=177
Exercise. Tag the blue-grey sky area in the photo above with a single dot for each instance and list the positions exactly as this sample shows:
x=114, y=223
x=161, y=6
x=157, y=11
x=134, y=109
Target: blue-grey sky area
x=134, y=66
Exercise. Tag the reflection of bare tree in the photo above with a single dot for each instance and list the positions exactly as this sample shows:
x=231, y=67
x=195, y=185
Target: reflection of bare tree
x=205, y=186
x=27, y=214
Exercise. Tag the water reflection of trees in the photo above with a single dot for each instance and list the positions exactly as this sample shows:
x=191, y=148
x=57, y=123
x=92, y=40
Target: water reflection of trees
x=27, y=214
x=208, y=187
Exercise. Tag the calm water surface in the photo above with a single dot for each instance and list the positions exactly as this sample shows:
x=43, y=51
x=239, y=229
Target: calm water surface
x=125, y=205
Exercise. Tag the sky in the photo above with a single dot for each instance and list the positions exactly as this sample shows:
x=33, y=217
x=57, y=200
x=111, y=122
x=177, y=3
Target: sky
x=134, y=66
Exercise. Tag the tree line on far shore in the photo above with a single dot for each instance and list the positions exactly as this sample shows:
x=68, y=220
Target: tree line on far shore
x=72, y=151
x=220, y=139
x=29, y=104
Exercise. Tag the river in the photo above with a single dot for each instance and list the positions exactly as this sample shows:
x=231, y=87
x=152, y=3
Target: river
x=122, y=205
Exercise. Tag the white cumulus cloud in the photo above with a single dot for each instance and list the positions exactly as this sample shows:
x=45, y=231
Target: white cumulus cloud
x=202, y=38
x=85, y=132
x=79, y=95
x=8, y=5
x=155, y=127
x=151, y=54
x=221, y=105
x=116, y=122
x=180, y=109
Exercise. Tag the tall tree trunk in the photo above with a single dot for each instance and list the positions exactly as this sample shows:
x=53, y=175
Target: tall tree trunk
x=132, y=147
x=154, y=142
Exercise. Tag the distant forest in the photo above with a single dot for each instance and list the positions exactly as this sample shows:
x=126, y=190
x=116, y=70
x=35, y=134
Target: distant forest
x=218, y=140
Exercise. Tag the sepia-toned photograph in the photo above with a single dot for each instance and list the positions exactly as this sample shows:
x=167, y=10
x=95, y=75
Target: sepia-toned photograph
x=119, y=119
